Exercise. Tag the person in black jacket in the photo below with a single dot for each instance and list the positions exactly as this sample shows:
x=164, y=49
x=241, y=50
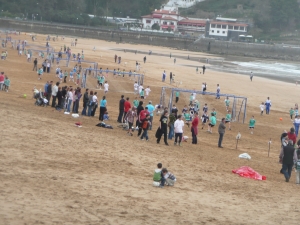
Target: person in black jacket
x=49, y=92
x=163, y=128
x=59, y=98
x=288, y=160
x=121, y=109
x=63, y=96
x=85, y=100
x=35, y=62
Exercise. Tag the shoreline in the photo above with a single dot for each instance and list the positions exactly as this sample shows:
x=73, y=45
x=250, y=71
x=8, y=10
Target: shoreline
x=216, y=62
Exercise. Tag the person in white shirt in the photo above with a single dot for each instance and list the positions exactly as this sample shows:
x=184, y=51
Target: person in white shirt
x=135, y=87
x=95, y=100
x=54, y=93
x=178, y=128
x=140, y=88
x=28, y=57
x=268, y=105
x=70, y=99
x=262, y=108
x=147, y=90
x=106, y=87
x=194, y=95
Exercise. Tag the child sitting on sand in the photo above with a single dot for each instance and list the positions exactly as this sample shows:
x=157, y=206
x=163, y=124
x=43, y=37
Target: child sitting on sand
x=157, y=175
x=168, y=178
x=106, y=116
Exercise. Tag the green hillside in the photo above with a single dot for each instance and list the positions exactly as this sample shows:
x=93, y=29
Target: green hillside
x=67, y=11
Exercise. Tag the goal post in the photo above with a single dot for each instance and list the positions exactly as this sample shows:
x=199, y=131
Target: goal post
x=86, y=76
x=238, y=104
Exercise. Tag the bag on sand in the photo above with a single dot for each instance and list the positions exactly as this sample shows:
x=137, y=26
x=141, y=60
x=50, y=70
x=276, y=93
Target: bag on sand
x=158, y=133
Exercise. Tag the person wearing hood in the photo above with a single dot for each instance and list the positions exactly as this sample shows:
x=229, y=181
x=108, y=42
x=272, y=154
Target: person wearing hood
x=292, y=136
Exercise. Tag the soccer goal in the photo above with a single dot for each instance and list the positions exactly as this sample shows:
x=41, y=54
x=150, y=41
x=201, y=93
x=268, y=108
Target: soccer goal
x=237, y=104
x=89, y=76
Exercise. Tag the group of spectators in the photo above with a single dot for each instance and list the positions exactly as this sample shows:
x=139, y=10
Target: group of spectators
x=68, y=99
x=290, y=155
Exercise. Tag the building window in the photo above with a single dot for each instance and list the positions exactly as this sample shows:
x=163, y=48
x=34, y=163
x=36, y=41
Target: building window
x=213, y=25
x=148, y=21
x=224, y=26
x=236, y=28
x=242, y=28
x=165, y=23
x=230, y=27
x=218, y=31
x=224, y=32
x=172, y=23
x=212, y=31
x=218, y=26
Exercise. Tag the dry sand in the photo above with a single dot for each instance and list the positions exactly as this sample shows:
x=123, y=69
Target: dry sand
x=54, y=173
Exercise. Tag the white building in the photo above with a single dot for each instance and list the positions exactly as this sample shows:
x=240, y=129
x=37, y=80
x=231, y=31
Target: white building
x=226, y=29
x=175, y=4
x=164, y=18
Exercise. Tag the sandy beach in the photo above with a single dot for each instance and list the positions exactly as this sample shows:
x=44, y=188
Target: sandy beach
x=52, y=172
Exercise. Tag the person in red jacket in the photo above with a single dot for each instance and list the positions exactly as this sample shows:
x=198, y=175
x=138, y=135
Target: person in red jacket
x=127, y=106
x=194, y=128
x=292, y=136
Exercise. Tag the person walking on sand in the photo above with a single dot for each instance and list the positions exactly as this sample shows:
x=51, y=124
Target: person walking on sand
x=35, y=62
x=203, y=69
x=164, y=76
x=171, y=77
x=218, y=92
x=212, y=123
x=221, y=130
x=262, y=108
x=288, y=157
x=252, y=124
x=268, y=105
x=251, y=76
x=194, y=128
x=228, y=119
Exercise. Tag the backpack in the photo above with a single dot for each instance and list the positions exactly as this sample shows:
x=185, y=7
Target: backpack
x=145, y=124
x=157, y=176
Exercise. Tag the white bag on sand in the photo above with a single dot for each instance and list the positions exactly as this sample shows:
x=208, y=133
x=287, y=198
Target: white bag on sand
x=156, y=184
x=75, y=115
x=245, y=156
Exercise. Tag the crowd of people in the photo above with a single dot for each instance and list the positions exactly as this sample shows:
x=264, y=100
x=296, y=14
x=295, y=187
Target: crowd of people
x=290, y=155
x=174, y=124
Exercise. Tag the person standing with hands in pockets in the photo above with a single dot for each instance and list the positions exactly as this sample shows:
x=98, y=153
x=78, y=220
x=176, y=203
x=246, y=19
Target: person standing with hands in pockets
x=221, y=130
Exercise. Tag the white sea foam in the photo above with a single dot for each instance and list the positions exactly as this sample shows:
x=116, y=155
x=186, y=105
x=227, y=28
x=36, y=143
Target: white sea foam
x=271, y=68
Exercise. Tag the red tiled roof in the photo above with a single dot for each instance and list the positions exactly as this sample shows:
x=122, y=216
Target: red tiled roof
x=230, y=24
x=168, y=18
x=165, y=12
x=147, y=16
x=187, y=21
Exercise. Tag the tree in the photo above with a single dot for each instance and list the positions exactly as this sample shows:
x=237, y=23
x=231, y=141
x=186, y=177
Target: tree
x=169, y=29
x=284, y=11
x=155, y=26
